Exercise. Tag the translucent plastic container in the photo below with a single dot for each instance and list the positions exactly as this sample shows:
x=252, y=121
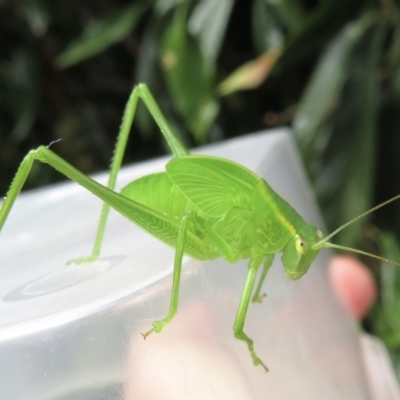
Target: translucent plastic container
x=73, y=332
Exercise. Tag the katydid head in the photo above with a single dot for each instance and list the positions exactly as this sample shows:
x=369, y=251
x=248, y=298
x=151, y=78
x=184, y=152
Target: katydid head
x=299, y=252
x=304, y=246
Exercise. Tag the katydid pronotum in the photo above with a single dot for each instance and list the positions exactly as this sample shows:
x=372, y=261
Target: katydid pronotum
x=203, y=206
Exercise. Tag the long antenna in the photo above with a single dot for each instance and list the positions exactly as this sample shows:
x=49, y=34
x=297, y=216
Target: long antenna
x=325, y=240
x=364, y=253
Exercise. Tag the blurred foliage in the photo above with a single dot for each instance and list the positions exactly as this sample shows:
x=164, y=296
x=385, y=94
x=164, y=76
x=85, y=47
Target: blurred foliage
x=328, y=68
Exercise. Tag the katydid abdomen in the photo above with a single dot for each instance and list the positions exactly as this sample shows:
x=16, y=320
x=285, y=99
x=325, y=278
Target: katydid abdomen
x=173, y=206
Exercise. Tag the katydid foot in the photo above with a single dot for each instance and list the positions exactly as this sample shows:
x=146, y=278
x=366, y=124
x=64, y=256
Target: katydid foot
x=256, y=360
x=157, y=327
x=258, y=298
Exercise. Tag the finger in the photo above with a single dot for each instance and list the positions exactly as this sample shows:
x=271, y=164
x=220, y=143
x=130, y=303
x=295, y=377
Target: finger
x=353, y=284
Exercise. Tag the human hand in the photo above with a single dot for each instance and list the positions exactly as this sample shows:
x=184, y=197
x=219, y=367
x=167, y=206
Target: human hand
x=190, y=358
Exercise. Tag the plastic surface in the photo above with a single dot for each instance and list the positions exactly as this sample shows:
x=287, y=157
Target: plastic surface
x=73, y=332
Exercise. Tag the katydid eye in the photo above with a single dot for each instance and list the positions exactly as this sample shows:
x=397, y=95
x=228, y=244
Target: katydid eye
x=319, y=233
x=301, y=245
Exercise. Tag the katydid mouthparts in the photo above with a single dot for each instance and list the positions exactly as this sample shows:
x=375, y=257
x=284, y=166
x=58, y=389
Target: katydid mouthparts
x=205, y=207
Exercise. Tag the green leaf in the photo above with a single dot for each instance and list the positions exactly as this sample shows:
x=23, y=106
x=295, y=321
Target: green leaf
x=190, y=79
x=358, y=189
x=208, y=23
x=321, y=24
x=389, y=317
x=147, y=70
x=289, y=11
x=36, y=16
x=163, y=6
x=326, y=83
x=268, y=31
x=352, y=145
x=101, y=35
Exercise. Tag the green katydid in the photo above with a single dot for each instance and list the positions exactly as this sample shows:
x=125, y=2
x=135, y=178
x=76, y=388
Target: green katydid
x=203, y=206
